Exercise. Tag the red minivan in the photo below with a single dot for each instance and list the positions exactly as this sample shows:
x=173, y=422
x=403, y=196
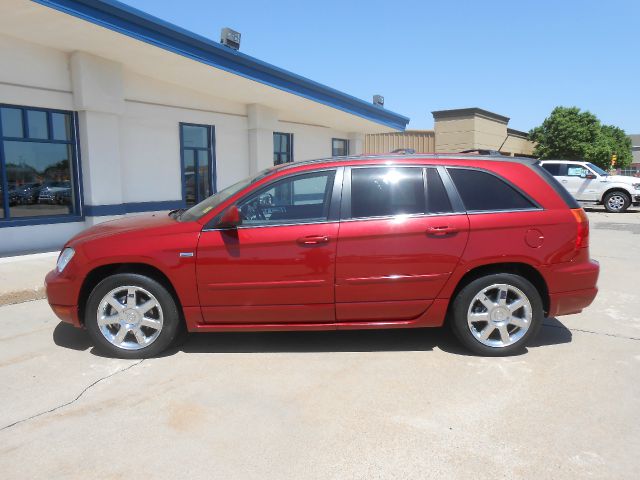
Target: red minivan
x=489, y=245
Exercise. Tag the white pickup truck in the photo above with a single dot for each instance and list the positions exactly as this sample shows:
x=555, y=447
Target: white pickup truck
x=588, y=183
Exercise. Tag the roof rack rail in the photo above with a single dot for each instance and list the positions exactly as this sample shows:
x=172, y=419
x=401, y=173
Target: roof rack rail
x=483, y=151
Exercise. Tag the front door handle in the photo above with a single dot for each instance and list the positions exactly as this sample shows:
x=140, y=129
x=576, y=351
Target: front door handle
x=441, y=231
x=313, y=240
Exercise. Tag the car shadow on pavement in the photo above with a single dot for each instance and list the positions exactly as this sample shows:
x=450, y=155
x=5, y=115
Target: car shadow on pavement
x=552, y=332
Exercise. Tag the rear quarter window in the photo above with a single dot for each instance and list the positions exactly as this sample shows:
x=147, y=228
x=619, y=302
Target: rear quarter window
x=556, y=169
x=482, y=191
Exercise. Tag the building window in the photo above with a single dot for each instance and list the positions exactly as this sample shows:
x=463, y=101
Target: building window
x=339, y=147
x=38, y=164
x=197, y=143
x=282, y=148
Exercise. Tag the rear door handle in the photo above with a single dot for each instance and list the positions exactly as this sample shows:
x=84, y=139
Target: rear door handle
x=441, y=231
x=313, y=240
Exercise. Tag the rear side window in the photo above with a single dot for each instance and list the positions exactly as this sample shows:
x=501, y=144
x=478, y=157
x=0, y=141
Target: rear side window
x=481, y=191
x=378, y=192
x=556, y=169
x=437, y=198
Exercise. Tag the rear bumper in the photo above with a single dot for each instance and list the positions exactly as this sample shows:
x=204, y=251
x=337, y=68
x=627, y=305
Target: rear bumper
x=566, y=303
x=573, y=288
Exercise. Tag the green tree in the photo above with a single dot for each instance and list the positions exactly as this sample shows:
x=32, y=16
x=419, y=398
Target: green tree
x=571, y=134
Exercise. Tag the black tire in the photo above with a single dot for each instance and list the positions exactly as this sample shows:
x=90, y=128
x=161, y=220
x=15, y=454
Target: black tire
x=617, y=201
x=462, y=303
x=171, y=324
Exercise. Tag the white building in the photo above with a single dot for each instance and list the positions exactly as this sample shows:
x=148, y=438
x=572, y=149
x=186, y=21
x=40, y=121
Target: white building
x=104, y=110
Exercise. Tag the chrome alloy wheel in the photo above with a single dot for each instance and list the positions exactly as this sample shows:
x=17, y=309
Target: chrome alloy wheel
x=616, y=202
x=499, y=315
x=130, y=317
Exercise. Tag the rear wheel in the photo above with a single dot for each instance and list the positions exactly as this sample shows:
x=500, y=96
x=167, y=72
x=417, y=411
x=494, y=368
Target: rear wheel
x=497, y=315
x=131, y=316
x=616, y=202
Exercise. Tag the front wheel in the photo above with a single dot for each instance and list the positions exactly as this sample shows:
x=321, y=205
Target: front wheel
x=131, y=316
x=616, y=202
x=497, y=315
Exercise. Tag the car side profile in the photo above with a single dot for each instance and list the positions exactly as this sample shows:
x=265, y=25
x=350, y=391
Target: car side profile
x=588, y=183
x=488, y=245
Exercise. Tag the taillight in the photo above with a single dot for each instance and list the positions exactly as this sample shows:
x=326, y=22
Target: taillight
x=582, y=236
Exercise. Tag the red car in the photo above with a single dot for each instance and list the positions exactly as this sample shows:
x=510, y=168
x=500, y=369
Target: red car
x=489, y=245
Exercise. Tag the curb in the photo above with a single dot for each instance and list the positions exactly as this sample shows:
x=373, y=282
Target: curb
x=20, y=296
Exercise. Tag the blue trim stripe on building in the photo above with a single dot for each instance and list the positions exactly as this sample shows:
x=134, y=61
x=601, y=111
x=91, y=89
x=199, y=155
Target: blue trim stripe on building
x=136, y=24
x=123, y=208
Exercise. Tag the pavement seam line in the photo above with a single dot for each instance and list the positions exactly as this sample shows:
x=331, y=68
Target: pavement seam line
x=592, y=332
x=85, y=390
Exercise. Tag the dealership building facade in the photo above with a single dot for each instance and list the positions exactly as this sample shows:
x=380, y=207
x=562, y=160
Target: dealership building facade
x=106, y=111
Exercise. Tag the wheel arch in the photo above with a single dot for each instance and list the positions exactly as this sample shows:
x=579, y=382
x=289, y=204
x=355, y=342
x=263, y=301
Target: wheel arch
x=95, y=276
x=616, y=189
x=517, y=268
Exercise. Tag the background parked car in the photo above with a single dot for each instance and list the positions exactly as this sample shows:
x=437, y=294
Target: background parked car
x=25, y=194
x=55, y=193
x=588, y=183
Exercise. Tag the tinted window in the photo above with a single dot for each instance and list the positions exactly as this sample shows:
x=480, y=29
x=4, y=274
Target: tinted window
x=556, y=169
x=482, y=191
x=298, y=198
x=437, y=198
x=377, y=192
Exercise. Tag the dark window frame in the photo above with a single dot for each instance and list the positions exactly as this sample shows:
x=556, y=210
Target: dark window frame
x=211, y=158
x=77, y=215
x=455, y=203
x=451, y=184
x=346, y=145
x=279, y=154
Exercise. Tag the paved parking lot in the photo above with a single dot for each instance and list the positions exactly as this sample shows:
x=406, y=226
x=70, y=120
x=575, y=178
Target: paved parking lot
x=373, y=404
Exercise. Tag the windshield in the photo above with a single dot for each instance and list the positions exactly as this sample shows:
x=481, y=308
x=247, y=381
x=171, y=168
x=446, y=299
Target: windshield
x=198, y=211
x=597, y=169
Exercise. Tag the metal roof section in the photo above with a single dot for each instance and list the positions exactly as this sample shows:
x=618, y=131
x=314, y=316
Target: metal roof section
x=146, y=28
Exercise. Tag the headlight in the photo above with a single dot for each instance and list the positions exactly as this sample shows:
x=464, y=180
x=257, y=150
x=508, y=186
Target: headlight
x=64, y=258
x=636, y=186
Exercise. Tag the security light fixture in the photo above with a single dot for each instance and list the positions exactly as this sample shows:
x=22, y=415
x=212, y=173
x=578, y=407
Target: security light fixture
x=378, y=100
x=230, y=38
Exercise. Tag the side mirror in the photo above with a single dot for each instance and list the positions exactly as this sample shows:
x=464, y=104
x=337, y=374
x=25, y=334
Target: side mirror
x=230, y=218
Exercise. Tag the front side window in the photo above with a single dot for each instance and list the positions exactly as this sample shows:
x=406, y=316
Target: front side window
x=482, y=191
x=37, y=163
x=576, y=171
x=339, y=147
x=198, y=154
x=385, y=191
x=301, y=198
x=282, y=148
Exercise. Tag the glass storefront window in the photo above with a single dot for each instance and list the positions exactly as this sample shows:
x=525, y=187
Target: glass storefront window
x=198, y=162
x=37, y=169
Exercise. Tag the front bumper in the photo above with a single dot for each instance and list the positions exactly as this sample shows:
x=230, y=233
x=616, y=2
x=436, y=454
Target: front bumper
x=62, y=299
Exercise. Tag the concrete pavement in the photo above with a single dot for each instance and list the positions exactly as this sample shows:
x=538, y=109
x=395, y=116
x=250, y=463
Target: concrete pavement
x=22, y=277
x=370, y=404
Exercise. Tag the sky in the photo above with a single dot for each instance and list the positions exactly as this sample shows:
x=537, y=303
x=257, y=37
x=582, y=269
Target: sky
x=516, y=58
